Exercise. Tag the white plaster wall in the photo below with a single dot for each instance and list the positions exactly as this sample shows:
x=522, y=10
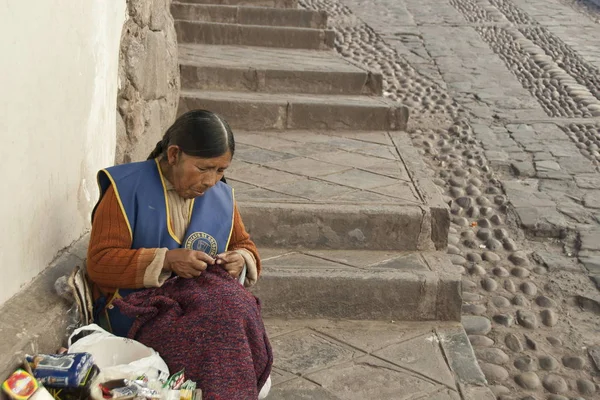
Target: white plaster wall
x=58, y=90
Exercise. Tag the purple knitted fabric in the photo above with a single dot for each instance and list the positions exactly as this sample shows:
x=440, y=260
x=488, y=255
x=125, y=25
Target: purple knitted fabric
x=211, y=326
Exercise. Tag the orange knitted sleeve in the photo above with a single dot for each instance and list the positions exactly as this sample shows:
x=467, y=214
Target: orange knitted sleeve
x=111, y=262
x=240, y=239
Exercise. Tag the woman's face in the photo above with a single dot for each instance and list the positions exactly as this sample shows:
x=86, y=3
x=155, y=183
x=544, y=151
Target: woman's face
x=193, y=176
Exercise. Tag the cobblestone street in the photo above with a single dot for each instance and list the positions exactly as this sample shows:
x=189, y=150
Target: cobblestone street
x=505, y=109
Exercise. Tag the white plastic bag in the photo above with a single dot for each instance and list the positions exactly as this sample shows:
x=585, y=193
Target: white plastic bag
x=117, y=357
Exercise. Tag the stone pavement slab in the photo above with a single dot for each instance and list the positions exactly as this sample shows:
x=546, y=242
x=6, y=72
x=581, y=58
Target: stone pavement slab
x=553, y=13
x=553, y=173
x=325, y=359
x=346, y=190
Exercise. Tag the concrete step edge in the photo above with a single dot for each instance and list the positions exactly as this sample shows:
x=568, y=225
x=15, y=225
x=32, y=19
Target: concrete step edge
x=273, y=80
x=254, y=3
x=335, y=226
x=259, y=111
x=250, y=15
x=362, y=294
x=265, y=27
x=254, y=35
x=287, y=98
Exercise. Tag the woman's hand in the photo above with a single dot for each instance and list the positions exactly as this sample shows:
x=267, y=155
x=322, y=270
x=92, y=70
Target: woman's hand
x=187, y=263
x=232, y=262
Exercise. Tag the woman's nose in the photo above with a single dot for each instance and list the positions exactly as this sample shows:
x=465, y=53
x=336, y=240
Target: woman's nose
x=210, y=179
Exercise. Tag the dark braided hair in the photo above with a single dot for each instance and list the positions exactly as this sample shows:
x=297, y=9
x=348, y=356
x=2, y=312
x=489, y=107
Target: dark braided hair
x=198, y=133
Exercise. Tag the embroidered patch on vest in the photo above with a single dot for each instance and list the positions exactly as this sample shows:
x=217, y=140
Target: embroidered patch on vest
x=201, y=241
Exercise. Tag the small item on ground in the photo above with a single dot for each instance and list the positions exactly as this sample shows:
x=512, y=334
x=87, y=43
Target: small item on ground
x=187, y=390
x=61, y=370
x=20, y=385
x=175, y=381
x=81, y=392
x=120, y=389
x=174, y=388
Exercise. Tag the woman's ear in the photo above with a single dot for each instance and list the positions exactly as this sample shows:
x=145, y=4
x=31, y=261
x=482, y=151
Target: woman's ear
x=173, y=153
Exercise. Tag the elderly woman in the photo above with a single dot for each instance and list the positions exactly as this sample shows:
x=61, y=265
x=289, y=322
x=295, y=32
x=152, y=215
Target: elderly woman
x=169, y=257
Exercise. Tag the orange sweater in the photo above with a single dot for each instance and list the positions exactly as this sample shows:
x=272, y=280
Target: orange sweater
x=112, y=264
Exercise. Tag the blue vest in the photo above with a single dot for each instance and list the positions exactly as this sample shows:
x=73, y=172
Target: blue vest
x=142, y=195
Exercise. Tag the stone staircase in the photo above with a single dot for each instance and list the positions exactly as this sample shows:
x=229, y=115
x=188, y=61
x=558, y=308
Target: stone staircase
x=330, y=187
x=348, y=224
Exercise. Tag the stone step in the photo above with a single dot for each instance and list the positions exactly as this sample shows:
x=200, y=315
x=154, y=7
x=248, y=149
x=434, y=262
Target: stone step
x=270, y=111
x=340, y=190
x=252, y=3
x=359, y=285
x=254, y=35
x=291, y=17
x=210, y=67
x=334, y=225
